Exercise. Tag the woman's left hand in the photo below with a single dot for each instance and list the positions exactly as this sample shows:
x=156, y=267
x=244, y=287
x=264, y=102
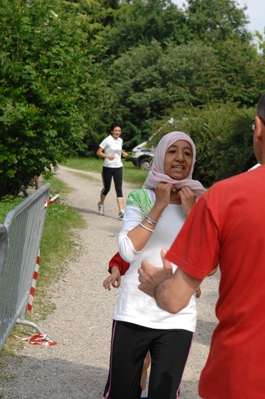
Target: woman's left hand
x=188, y=199
x=198, y=292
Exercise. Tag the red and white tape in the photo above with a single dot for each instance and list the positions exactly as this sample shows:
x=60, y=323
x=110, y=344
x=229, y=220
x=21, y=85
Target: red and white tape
x=36, y=270
x=38, y=339
x=34, y=282
x=48, y=202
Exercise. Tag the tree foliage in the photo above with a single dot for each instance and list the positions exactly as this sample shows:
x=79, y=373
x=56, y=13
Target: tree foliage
x=147, y=82
x=223, y=139
x=217, y=21
x=203, y=54
x=48, y=87
x=69, y=68
x=140, y=22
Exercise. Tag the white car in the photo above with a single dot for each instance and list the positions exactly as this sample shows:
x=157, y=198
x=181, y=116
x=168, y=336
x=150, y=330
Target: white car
x=142, y=156
x=143, y=153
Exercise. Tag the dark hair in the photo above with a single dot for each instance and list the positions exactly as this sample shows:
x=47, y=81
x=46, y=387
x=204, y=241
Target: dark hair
x=261, y=107
x=115, y=124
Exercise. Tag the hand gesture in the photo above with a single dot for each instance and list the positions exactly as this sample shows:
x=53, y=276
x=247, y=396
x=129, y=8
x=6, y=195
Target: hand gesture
x=188, y=199
x=150, y=276
x=162, y=192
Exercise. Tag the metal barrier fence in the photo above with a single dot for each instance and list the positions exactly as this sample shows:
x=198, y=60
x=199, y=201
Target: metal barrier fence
x=20, y=237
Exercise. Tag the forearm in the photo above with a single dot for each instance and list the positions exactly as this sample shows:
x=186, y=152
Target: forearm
x=101, y=154
x=141, y=233
x=167, y=299
x=115, y=271
x=174, y=293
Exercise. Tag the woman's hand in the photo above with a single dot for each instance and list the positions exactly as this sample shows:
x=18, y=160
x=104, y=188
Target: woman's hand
x=163, y=192
x=198, y=292
x=188, y=199
x=114, y=279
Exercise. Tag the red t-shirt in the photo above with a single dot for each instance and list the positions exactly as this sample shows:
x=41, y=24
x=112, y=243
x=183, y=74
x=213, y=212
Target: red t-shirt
x=227, y=225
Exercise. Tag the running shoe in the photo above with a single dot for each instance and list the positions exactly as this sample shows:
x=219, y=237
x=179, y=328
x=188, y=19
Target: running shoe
x=100, y=209
x=121, y=214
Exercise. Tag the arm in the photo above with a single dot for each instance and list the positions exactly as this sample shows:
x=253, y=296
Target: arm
x=101, y=154
x=117, y=268
x=124, y=154
x=172, y=292
x=141, y=233
x=114, y=279
x=117, y=261
x=198, y=291
x=213, y=271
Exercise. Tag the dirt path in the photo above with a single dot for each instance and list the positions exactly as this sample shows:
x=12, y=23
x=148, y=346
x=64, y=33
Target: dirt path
x=77, y=366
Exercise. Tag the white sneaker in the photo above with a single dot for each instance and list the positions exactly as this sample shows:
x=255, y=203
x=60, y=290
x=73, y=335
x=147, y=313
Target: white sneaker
x=121, y=214
x=100, y=209
x=143, y=394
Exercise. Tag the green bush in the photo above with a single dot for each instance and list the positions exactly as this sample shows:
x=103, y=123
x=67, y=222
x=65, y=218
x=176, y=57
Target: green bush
x=47, y=88
x=223, y=139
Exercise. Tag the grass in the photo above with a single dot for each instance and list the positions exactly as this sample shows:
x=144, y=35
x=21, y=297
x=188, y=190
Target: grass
x=131, y=173
x=7, y=203
x=57, y=245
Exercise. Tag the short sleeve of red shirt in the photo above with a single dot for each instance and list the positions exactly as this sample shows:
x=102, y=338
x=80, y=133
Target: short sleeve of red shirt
x=196, y=248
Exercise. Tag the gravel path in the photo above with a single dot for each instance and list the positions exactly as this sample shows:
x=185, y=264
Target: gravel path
x=77, y=366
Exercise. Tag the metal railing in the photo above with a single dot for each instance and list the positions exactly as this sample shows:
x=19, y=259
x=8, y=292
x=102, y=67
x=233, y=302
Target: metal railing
x=20, y=237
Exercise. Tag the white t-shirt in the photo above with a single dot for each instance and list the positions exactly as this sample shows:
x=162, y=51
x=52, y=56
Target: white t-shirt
x=133, y=305
x=112, y=146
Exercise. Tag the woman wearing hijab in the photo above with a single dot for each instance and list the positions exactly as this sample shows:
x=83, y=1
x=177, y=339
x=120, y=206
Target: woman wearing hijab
x=153, y=217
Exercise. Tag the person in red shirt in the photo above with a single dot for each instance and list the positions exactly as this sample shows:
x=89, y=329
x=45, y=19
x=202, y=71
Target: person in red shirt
x=225, y=226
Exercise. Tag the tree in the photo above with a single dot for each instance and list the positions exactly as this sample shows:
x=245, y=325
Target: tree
x=216, y=21
x=223, y=139
x=139, y=22
x=48, y=87
x=148, y=81
x=159, y=56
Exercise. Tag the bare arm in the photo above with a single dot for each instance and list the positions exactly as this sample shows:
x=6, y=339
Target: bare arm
x=101, y=154
x=114, y=279
x=139, y=235
x=172, y=292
